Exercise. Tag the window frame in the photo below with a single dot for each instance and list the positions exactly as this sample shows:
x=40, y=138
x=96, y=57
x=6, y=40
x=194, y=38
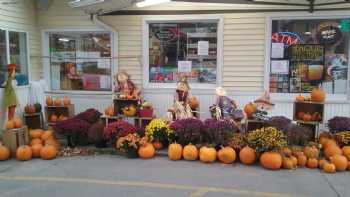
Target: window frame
x=7, y=42
x=184, y=18
x=47, y=66
x=338, y=98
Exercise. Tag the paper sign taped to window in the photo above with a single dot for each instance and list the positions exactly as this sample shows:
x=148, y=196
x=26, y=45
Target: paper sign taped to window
x=203, y=47
x=184, y=66
x=280, y=67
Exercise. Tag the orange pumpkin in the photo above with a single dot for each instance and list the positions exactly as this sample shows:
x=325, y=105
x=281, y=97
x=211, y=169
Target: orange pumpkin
x=330, y=143
x=58, y=102
x=66, y=101
x=311, y=152
x=329, y=168
x=247, y=155
x=300, y=98
x=295, y=160
x=321, y=163
x=340, y=162
x=271, y=160
x=250, y=109
x=35, y=133
x=29, y=109
x=312, y=163
x=54, y=143
x=300, y=115
x=4, y=152
x=129, y=111
x=288, y=163
x=36, y=141
x=207, y=154
x=323, y=141
x=346, y=152
x=307, y=117
x=302, y=160
x=47, y=135
x=53, y=118
x=285, y=151
x=316, y=116
x=190, y=152
x=36, y=148
x=9, y=124
x=18, y=123
x=49, y=101
x=175, y=151
x=24, y=153
x=157, y=145
x=348, y=165
x=330, y=151
x=193, y=102
x=318, y=95
x=48, y=152
x=227, y=155
x=146, y=151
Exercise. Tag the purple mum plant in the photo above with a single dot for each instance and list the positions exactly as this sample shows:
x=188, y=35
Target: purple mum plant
x=186, y=131
x=118, y=129
x=218, y=132
x=338, y=124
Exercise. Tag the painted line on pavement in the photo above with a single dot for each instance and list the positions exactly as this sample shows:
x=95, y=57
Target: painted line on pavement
x=198, y=191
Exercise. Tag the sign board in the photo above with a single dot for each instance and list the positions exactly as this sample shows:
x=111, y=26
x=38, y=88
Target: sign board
x=311, y=52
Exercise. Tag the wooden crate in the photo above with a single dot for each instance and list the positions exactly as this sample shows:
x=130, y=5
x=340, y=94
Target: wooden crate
x=308, y=107
x=67, y=111
x=14, y=138
x=314, y=126
x=252, y=124
x=120, y=103
x=34, y=121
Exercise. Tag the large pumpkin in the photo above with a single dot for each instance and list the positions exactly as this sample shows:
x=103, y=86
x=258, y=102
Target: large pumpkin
x=271, y=160
x=48, y=152
x=250, y=109
x=193, y=102
x=9, y=124
x=146, y=151
x=247, y=155
x=24, y=153
x=312, y=163
x=66, y=101
x=190, y=152
x=49, y=101
x=346, y=152
x=329, y=168
x=330, y=151
x=227, y=155
x=4, y=152
x=318, y=95
x=58, y=102
x=340, y=162
x=36, y=148
x=175, y=151
x=35, y=133
x=311, y=152
x=18, y=122
x=207, y=154
x=329, y=143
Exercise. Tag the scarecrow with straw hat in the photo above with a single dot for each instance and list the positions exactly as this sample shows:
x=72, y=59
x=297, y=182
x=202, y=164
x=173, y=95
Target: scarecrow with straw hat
x=10, y=97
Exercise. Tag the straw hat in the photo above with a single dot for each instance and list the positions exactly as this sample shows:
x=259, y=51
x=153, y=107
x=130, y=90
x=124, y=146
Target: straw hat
x=220, y=91
x=264, y=100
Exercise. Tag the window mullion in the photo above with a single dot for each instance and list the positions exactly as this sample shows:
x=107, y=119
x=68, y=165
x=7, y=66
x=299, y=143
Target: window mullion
x=7, y=38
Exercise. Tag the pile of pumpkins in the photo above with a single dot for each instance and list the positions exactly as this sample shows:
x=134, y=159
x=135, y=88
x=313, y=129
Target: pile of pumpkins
x=57, y=101
x=31, y=109
x=317, y=95
x=307, y=116
x=14, y=123
x=54, y=118
x=43, y=145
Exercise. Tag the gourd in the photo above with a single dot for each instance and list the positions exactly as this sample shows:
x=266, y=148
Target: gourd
x=302, y=159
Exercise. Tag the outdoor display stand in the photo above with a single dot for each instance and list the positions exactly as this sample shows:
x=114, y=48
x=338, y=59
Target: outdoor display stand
x=253, y=124
x=34, y=121
x=142, y=122
x=66, y=111
x=13, y=138
x=119, y=104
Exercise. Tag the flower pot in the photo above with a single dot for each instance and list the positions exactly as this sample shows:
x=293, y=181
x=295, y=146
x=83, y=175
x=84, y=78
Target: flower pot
x=146, y=113
x=132, y=153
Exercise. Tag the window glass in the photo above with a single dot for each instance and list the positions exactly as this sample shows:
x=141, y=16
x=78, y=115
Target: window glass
x=3, y=57
x=18, y=51
x=80, y=61
x=309, y=53
x=183, y=48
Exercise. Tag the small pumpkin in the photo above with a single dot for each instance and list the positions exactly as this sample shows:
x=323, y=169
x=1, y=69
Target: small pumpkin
x=318, y=95
x=49, y=101
x=53, y=118
x=286, y=151
x=311, y=151
x=247, y=155
x=340, y=162
x=300, y=98
x=48, y=134
x=295, y=160
x=302, y=160
x=346, y=151
x=54, y=143
x=321, y=163
x=57, y=102
x=307, y=117
x=129, y=111
x=207, y=154
x=147, y=151
x=175, y=151
x=250, y=109
x=157, y=145
x=36, y=148
x=271, y=160
x=24, y=153
x=9, y=124
x=227, y=155
x=288, y=163
x=329, y=168
x=312, y=163
x=300, y=115
x=4, y=152
x=29, y=109
x=36, y=141
x=66, y=101
x=190, y=152
x=18, y=122
x=193, y=102
x=330, y=151
x=35, y=133
x=48, y=152
x=109, y=111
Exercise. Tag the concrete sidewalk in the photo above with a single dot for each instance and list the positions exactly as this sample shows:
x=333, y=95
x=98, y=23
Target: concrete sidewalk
x=107, y=175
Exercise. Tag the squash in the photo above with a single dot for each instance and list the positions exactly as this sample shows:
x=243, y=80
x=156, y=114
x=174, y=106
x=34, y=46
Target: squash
x=250, y=109
x=66, y=101
x=288, y=163
x=300, y=98
x=312, y=163
x=29, y=109
x=18, y=122
x=4, y=152
x=307, y=117
x=318, y=95
x=36, y=148
x=193, y=102
x=329, y=168
x=35, y=133
x=271, y=160
x=227, y=155
x=340, y=162
x=302, y=160
x=207, y=154
x=311, y=151
x=49, y=101
x=48, y=152
x=129, y=111
x=146, y=151
x=24, y=153
x=247, y=155
x=190, y=152
x=321, y=163
x=175, y=151
x=53, y=118
x=36, y=141
x=157, y=145
x=57, y=102
x=9, y=124
x=37, y=107
x=330, y=151
x=346, y=151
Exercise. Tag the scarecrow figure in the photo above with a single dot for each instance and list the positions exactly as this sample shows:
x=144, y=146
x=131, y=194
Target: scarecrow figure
x=125, y=86
x=181, y=108
x=263, y=105
x=10, y=98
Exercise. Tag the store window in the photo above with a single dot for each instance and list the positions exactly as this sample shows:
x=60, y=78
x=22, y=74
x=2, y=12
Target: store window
x=80, y=61
x=308, y=53
x=186, y=48
x=13, y=49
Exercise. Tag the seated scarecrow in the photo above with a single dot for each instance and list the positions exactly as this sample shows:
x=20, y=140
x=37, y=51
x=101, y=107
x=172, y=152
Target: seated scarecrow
x=264, y=105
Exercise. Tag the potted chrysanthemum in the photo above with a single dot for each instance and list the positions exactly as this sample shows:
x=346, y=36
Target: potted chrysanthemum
x=158, y=132
x=130, y=144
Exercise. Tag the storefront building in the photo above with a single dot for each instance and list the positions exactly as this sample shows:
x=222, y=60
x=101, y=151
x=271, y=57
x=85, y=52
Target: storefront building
x=244, y=48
